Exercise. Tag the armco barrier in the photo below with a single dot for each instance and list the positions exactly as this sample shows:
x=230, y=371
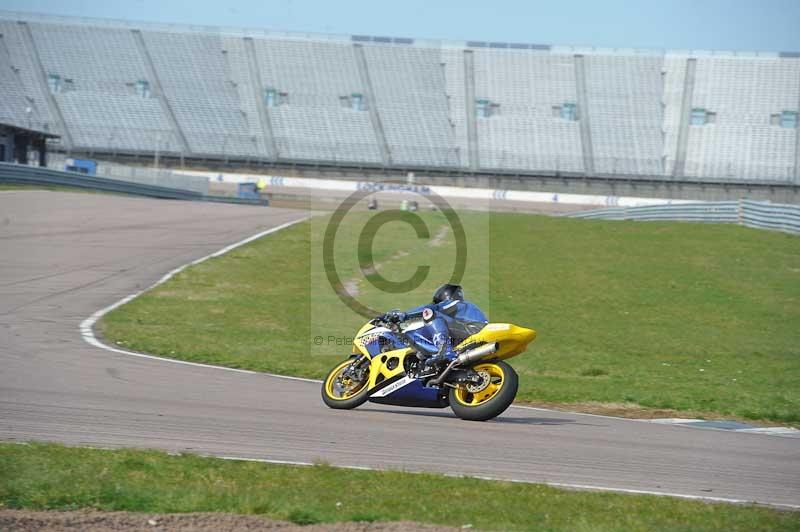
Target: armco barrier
x=34, y=175
x=760, y=214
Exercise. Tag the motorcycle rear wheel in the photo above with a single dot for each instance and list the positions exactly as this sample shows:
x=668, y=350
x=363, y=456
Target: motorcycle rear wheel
x=343, y=401
x=490, y=401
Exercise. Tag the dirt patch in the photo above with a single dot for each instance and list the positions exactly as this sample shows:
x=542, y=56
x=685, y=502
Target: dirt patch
x=628, y=410
x=440, y=237
x=351, y=286
x=93, y=520
x=636, y=411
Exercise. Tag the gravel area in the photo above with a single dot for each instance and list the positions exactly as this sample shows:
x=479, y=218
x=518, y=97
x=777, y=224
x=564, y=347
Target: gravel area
x=93, y=520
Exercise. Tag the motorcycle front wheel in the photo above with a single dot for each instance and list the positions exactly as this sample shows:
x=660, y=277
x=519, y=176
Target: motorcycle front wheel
x=341, y=392
x=488, y=399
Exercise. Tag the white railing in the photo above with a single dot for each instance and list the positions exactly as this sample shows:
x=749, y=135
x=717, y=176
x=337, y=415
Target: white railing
x=761, y=214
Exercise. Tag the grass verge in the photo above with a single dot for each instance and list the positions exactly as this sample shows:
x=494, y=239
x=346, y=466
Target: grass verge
x=674, y=317
x=55, y=477
x=53, y=188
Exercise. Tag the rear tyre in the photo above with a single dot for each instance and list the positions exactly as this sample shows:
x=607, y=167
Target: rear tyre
x=339, y=392
x=486, y=402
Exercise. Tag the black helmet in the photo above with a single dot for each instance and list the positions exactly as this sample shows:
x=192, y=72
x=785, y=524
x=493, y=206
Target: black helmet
x=448, y=292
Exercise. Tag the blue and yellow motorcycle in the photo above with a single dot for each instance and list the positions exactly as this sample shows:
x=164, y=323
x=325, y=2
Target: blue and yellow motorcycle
x=384, y=368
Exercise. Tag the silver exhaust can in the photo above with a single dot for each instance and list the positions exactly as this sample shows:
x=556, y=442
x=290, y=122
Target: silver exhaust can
x=478, y=353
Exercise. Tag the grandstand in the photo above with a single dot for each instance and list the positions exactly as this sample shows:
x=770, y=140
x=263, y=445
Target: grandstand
x=221, y=94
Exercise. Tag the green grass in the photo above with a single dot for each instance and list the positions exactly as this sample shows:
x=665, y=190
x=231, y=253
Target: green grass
x=6, y=186
x=676, y=316
x=54, y=477
x=53, y=188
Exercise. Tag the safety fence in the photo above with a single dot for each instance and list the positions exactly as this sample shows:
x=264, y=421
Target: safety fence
x=34, y=175
x=146, y=175
x=760, y=214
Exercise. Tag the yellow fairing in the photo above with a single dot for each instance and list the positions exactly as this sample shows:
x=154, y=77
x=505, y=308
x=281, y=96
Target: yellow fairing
x=359, y=347
x=387, y=365
x=513, y=340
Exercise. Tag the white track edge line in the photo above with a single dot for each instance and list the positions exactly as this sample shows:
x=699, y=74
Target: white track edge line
x=87, y=326
x=672, y=422
x=87, y=332
x=581, y=487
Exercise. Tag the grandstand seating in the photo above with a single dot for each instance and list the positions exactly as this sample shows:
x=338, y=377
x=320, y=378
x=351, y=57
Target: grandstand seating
x=409, y=86
x=14, y=103
x=235, y=54
x=453, y=65
x=221, y=94
x=315, y=121
x=624, y=96
x=195, y=76
x=97, y=69
x=744, y=94
x=674, y=79
x=524, y=133
x=19, y=67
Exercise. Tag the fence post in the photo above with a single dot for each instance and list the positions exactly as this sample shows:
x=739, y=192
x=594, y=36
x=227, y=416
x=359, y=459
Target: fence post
x=739, y=209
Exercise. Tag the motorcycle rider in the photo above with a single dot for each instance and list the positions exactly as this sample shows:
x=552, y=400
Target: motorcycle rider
x=448, y=321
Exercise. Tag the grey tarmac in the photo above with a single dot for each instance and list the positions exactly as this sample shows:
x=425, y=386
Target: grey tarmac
x=63, y=256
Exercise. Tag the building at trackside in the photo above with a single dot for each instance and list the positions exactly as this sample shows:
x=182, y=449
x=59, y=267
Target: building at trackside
x=223, y=94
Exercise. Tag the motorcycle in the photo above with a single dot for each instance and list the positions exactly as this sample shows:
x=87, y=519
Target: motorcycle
x=384, y=368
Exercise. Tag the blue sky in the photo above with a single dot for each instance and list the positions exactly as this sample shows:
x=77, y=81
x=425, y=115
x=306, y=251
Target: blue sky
x=683, y=24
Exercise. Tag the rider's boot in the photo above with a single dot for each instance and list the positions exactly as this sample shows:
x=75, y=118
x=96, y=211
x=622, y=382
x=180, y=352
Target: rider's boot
x=434, y=364
x=429, y=366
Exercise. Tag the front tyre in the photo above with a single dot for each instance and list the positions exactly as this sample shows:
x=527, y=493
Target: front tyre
x=342, y=392
x=491, y=397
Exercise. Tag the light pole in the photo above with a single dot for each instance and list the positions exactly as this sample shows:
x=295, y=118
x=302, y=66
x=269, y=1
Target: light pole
x=111, y=140
x=224, y=147
x=158, y=145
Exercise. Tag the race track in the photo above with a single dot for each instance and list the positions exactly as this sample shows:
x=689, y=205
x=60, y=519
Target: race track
x=64, y=256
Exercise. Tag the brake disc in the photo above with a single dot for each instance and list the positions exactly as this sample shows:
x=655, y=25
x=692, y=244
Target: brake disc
x=480, y=386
